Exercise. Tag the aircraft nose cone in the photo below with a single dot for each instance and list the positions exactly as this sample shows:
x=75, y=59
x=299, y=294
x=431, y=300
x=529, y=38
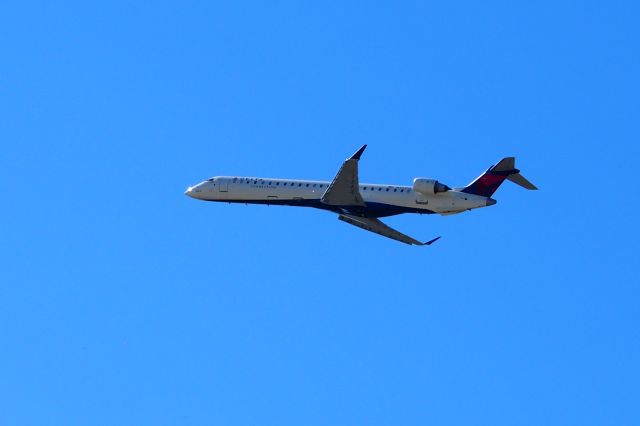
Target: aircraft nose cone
x=189, y=192
x=491, y=201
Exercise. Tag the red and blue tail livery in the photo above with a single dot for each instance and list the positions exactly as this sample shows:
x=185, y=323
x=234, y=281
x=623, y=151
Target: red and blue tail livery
x=487, y=183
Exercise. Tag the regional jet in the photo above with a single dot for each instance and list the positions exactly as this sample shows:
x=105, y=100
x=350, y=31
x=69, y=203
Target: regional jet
x=362, y=204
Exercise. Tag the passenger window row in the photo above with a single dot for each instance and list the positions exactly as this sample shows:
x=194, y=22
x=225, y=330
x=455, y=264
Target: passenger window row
x=277, y=183
x=386, y=189
x=313, y=185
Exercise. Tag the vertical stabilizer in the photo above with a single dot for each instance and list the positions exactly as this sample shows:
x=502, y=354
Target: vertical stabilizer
x=490, y=181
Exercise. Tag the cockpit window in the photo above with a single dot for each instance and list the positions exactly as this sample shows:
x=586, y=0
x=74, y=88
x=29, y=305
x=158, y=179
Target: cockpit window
x=210, y=180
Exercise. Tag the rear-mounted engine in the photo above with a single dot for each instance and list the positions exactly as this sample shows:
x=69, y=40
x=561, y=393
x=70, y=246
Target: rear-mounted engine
x=429, y=186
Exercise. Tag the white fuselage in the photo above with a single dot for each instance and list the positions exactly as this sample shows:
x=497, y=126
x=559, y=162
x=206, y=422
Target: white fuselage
x=380, y=200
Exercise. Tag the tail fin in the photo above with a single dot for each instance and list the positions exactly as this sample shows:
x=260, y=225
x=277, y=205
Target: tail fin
x=490, y=180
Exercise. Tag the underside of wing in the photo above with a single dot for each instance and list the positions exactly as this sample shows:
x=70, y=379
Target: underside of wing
x=375, y=225
x=344, y=190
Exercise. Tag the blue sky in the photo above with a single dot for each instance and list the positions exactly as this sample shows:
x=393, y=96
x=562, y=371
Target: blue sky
x=125, y=302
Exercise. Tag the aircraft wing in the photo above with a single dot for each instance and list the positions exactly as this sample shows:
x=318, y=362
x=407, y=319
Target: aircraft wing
x=343, y=190
x=375, y=225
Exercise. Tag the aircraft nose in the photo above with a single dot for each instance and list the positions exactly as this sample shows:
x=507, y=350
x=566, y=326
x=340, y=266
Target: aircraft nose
x=189, y=192
x=491, y=201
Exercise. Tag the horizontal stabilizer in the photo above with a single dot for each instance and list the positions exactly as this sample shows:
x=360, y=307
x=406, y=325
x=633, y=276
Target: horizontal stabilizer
x=504, y=165
x=518, y=179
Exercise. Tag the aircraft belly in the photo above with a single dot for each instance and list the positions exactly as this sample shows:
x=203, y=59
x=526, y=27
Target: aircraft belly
x=392, y=205
x=380, y=205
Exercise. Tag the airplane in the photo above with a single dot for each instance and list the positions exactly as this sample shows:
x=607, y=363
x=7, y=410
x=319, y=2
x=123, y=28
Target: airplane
x=362, y=204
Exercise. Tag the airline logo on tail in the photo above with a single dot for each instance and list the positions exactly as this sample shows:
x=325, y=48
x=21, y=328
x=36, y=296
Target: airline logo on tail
x=490, y=181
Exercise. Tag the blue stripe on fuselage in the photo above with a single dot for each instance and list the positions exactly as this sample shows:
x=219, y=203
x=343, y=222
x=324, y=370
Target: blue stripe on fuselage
x=371, y=210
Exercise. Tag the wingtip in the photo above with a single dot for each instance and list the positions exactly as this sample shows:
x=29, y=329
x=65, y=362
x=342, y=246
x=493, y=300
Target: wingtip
x=358, y=153
x=428, y=243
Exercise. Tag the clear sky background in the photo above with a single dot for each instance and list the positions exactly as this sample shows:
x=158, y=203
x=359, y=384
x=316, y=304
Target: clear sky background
x=123, y=302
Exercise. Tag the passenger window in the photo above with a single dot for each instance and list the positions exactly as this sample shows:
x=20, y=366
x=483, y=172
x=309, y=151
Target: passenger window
x=299, y=184
x=307, y=185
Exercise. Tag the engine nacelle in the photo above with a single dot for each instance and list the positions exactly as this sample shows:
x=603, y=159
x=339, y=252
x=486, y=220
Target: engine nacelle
x=429, y=186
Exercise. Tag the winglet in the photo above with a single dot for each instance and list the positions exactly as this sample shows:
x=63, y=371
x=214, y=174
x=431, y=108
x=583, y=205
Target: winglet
x=358, y=154
x=428, y=243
